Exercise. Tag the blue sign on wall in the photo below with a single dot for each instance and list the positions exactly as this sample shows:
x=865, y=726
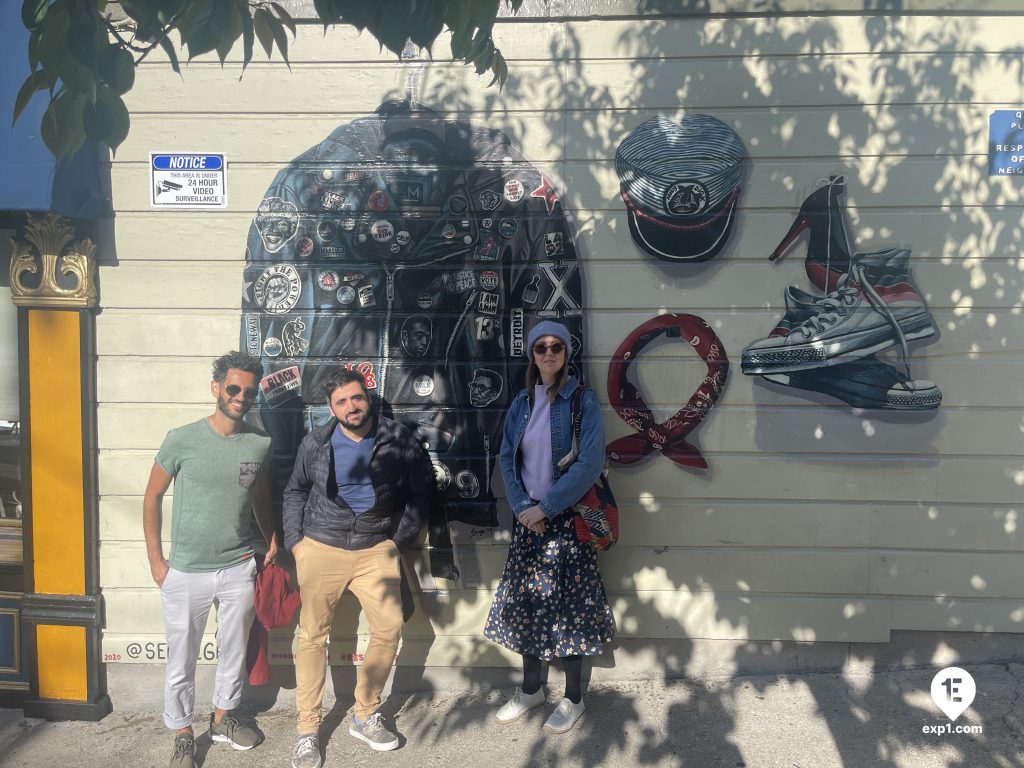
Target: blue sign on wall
x=1006, y=142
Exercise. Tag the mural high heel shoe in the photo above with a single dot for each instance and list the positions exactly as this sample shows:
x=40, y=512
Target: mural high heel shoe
x=828, y=248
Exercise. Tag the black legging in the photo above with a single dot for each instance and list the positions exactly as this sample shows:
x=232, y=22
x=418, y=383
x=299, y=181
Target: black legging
x=573, y=676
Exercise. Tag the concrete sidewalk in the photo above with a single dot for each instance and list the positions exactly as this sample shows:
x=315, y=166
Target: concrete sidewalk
x=779, y=721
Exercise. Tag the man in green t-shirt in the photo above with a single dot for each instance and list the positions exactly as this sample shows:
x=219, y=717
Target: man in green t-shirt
x=220, y=467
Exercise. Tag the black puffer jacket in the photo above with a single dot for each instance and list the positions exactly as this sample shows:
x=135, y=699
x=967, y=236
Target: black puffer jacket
x=402, y=480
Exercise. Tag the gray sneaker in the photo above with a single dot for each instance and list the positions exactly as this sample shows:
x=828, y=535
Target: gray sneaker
x=306, y=752
x=374, y=732
x=230, y=731
x=184, y=751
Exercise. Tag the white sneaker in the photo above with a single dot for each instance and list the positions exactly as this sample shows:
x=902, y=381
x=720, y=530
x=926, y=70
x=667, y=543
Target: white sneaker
x=519, y=705
x=564, y=717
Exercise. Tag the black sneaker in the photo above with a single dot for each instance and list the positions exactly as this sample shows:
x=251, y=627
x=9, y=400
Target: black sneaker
x=230, y=731
x=869, y=383
x=184, y=751
x=306, y=752
x=374, y=732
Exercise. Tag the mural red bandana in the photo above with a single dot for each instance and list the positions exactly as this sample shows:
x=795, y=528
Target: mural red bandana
x=670, y=436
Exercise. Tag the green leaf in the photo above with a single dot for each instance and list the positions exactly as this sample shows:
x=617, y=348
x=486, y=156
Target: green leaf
x=199, y=29
x=168, y=46
x=285, y=17
x=61, y=128
x=33, y=12
x=248, y=38
x=76, y=78
x=231, y=29
x=117, y=68
x=97, y=121
x=35, y=82
x=118, y=112
x=262, y=27
x=325, y=9
x=280, y=38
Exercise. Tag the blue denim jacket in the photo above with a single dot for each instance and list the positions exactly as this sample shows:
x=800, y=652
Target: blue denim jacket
x=568, y=487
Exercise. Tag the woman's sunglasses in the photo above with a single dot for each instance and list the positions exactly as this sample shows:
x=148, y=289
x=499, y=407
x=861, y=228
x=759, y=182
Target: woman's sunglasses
x=542, y=349
x=249, y=393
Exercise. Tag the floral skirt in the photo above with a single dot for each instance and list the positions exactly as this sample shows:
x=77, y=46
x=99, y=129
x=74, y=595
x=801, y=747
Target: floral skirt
x=550, y=601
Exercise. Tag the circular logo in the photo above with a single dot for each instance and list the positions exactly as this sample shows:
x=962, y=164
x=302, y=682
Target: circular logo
x=328, y=280
x=424, y=301
x=277, y=289
x=458, y=205
x=507, y=228
x=327, y=174
x=423, y=386
x=326, y=231
x=489, y=280
x=382, y=230
x=272, y=347
x=348, y=224
x=490, y=199
x=442, y=475
x=686, y=198
x=304, y=247
x=379, y=201
x=514, y=190
x=448, y=231
x=486, y=223
x=402, y=237
x=346, y=294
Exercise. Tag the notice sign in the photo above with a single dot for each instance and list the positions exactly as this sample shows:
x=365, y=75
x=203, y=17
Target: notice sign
x=1006, y=142
x=188, y=180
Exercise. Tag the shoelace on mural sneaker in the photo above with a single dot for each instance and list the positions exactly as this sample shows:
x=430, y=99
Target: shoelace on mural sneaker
x=834, y=307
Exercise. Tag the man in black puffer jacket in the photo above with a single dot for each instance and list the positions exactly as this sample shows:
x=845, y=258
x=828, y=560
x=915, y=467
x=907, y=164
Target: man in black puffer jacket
x=359, y=493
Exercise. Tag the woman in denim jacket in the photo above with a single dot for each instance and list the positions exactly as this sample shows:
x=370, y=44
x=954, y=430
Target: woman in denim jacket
x=550, y=601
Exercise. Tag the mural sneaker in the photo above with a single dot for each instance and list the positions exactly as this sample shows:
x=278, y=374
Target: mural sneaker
x=230, y=731
x=564, y=717
x=876, y=307
x=869, y=383
x=374, y=732
x=519, y=705
x=306, y=752
x=184, y=751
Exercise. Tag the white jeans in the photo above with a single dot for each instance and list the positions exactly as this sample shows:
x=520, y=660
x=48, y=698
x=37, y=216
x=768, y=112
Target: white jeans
x=187, y=598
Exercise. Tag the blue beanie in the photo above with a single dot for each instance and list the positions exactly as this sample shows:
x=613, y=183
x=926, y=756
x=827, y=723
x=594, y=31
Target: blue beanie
x=549, y=328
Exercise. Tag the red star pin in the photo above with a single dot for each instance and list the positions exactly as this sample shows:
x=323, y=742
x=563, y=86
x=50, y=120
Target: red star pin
x=546, y=191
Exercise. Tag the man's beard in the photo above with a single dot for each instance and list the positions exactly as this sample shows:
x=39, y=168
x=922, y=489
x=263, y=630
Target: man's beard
x=348, y=423
x=224, y=406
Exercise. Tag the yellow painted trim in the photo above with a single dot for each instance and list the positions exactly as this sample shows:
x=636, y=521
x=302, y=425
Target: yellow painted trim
x=61, y=663
x=55, y=431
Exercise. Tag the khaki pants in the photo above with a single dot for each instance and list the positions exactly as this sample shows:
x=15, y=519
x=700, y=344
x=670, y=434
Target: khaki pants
x=372, y=575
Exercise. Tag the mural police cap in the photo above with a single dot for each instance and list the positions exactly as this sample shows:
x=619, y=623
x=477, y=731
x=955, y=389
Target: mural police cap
x=681, y=182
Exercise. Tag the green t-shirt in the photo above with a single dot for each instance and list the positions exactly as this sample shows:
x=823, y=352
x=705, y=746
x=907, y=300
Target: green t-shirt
x=212, y=524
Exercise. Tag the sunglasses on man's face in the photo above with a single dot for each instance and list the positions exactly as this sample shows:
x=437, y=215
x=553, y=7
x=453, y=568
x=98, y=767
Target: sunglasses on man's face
x=249, y=393
x=542, y=349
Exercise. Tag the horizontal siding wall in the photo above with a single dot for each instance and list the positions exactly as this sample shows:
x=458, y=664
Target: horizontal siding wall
x=814, y=521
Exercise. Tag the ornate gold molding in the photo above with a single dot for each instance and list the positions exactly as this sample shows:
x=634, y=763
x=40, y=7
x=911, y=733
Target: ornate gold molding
x=50, y=236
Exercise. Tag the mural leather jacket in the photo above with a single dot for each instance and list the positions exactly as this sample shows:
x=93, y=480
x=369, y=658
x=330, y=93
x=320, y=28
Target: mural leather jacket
x=418, y=251
x=402, y=482
x=570, y=485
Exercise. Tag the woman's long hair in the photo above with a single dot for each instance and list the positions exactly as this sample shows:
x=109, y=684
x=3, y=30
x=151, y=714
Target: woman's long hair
x=533, y=377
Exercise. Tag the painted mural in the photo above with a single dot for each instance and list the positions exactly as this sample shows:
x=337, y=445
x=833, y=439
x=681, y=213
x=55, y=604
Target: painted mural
x=419, y=251
x=669, y=438
x=828, y=342
x=681, y=183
